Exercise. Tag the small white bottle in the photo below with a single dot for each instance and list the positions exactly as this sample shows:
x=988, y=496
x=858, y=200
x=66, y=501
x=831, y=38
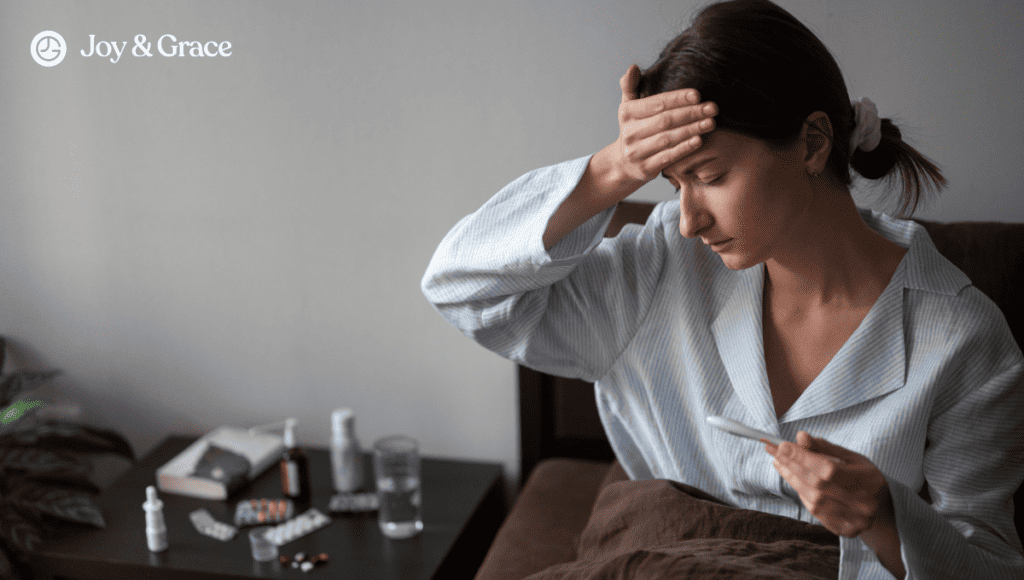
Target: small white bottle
x=156, y=530
x=346, y=457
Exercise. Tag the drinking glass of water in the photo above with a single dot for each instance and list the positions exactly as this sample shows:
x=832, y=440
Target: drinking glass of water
x=263, y=549
x=396, y=463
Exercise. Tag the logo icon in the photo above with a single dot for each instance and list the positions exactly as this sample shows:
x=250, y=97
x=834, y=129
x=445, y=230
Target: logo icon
x=49, y=48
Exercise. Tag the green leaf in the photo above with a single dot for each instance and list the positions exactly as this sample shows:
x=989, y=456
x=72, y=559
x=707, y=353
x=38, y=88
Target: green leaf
x=20, y=381
x=42, y=462
x=59, y=502
x=62, y=436
x=19, y=532
x=17, y=411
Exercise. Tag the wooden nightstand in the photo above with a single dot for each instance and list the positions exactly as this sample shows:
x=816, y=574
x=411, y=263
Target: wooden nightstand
x=463, y=506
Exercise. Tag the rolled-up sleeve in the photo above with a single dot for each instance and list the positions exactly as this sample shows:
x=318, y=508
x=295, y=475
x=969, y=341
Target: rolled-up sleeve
x=569, y=310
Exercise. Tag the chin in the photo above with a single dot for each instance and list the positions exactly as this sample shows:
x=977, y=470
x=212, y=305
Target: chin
x=737, y=261
x=735, y=264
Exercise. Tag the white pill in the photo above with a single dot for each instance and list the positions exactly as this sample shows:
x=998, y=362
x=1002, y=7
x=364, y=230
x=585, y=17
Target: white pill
x=307, y=566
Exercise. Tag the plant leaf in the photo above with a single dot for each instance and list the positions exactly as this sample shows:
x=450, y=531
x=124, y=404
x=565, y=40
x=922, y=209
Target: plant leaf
x=6, y=569
x=20, y=533
x=59, y=502
x=13, y=565
x=63, y=436
x=42, y=462
x=20, y=381
x=68, y=481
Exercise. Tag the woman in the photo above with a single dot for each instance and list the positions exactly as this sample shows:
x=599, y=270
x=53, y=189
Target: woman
x=766, y=296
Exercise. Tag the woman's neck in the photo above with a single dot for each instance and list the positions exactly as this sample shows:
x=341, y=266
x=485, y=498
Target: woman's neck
x=831, y=258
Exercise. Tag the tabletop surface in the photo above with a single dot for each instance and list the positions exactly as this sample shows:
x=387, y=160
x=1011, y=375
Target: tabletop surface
x=452, y=491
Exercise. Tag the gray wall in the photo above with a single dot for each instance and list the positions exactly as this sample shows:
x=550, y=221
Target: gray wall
x=208, y=241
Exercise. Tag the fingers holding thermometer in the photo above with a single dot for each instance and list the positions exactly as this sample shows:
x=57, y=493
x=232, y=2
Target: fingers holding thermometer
x=843, y=489
x=772, y=442
x=741, y=430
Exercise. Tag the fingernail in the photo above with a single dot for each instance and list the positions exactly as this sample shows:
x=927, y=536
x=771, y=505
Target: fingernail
x=692, y=96
x=706, y=124
x=709, y=109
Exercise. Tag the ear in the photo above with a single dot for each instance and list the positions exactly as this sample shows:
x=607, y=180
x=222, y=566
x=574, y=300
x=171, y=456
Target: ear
x=817, y=139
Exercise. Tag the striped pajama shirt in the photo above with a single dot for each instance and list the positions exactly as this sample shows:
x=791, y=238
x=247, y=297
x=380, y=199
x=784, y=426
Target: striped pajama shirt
x=928, y=387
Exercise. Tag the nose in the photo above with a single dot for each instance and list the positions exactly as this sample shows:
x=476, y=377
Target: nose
x=692, y=218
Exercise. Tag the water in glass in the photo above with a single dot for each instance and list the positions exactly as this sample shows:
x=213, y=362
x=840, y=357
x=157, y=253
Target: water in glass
x=400, y=507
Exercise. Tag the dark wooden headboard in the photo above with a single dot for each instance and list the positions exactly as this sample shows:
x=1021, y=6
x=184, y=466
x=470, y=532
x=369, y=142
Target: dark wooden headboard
x=558, y=416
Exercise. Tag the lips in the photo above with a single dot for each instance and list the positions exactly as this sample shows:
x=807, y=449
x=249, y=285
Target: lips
x=713, y=244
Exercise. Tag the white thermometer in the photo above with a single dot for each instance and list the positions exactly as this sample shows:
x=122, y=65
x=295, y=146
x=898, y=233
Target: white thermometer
x=737, y=428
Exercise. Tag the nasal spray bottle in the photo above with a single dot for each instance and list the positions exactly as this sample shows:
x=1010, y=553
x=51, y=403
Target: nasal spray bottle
x=294, y=468
x=156, y=530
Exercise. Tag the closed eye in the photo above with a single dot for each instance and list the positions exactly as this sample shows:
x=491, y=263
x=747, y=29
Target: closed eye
x=708, y=181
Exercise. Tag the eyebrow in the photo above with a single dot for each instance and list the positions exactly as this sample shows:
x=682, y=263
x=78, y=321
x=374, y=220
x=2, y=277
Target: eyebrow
x=695, y=166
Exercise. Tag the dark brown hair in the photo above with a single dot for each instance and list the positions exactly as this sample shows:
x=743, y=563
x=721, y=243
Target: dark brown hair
x=767, y=72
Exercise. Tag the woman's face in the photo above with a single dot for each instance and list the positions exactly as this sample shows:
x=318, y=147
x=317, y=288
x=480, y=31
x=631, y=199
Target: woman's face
x=741, y=198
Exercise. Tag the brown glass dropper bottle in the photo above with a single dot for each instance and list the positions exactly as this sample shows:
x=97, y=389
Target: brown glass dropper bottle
x=294, y=469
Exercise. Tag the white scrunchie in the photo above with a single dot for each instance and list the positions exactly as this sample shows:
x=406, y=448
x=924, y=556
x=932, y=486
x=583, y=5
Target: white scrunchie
x=868, y=132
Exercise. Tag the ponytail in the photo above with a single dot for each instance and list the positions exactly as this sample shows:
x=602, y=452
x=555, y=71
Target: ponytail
x=918, y=174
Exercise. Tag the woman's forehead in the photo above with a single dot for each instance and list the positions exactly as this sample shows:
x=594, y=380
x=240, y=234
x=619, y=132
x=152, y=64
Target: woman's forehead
x=725, y=148
x=718, y=144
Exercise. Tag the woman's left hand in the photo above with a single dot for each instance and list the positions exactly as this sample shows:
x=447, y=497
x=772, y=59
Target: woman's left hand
x=848, y=496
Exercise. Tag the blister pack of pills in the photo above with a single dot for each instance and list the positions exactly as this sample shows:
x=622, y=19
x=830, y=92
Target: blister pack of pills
x=307, y=523
x=354, y=502
x=256, y=512
x=208, y=526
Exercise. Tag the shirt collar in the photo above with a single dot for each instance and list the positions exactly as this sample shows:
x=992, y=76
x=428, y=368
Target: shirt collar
x=926, y=268
x=873, y=360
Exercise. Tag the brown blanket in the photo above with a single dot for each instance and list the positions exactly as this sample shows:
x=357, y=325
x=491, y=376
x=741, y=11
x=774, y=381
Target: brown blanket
x=661, y=529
